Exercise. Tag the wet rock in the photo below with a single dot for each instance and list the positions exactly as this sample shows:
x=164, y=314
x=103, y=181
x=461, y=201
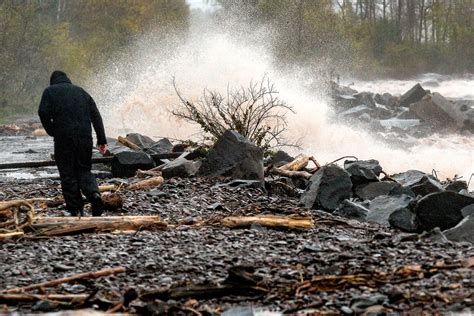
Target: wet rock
x=365, y=98
x=464, y=231
x=363, y=171
x=409, y=178
x=415, y=94
x=279, y=159
x=163, y=146
x=329, y=186
x=468, y=211
x=426, y=186
x=456, y=186
x=442, y=209
x=371, y=190
x=386, y=99
x=44, y=306
x=234, y=156
x=403, y=124
x=356, y=111
x=360, y=304
x=382, y=207
x=140, y=140
x=439, y=112
x=125, y=164
x=405, y=220
x=353, y=210
x=180, y=167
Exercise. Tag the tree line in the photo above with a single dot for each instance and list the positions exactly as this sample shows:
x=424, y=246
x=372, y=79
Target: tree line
x=77, y=36
x=371, y=37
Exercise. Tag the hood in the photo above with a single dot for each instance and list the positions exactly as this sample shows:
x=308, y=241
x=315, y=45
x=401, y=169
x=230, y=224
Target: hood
x=59, y=77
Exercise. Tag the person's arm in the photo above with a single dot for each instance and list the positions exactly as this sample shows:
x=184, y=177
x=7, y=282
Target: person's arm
x=97, y=123
x=45, y=113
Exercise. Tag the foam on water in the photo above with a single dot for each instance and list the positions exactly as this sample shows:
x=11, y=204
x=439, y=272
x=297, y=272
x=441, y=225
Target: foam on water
x=135, y=93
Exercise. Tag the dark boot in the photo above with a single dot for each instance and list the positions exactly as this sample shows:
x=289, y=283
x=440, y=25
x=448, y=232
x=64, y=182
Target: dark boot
x=97, y=205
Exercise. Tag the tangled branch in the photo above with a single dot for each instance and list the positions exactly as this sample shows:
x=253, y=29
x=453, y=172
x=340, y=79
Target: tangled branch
x=256, y=112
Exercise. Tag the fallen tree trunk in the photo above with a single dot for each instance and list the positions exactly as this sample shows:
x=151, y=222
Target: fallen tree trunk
x=11, y=235
x=270, y=221
x=290, y=174
x=299, y=163
x=61, y=226
x=81, y=276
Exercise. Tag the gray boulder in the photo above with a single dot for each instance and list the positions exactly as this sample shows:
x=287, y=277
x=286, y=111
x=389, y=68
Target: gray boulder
x=353, y=210
x=415, y=94
x=468, y=211
x=180, y=167
x=463, y=231
x=382, y=207
x=125, y=164
x=140, y=140
x=233, y=156
x=426, y=186
x=279, y=159
x=405, y=220
x=365, y=98
x=363, y=171
x=441, y=113
x=163, y=146
x=409, y=178
x=329, y=186
x=456, y=186
x=442, y=209
x=369, y=191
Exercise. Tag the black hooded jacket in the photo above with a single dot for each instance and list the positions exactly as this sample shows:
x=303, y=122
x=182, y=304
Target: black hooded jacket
x=67, y=110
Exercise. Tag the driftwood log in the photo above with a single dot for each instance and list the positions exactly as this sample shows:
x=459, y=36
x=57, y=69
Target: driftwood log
x=299, y=163
x=270, y=221
x=61, y=226
x=290, y=173
x=81, y=276
x=14, y=299
x=151, y=182
x=124, y=141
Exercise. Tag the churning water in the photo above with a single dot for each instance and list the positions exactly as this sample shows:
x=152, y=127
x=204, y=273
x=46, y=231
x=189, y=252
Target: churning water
x=135, y=93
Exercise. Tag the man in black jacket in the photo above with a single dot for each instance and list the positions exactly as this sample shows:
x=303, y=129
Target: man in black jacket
x=66, y=112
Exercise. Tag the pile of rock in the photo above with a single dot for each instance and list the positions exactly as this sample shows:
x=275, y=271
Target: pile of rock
x=411, y=201
x=418, y=112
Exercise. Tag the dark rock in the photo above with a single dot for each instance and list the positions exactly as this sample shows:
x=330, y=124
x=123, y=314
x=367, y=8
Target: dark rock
x=456, y=186
x=234, y=156
x=363, y=171
x=426, y=186
x=415, y=94
x=353, y=210
x=401, y=190
x=365, y=98
x=140, y=140
x=163, y=146
x=386, y=99
x=115, y=147
x=279, y=159
x=44, y=306
x=409, y=178
x=329, y=186
x=382, y=207
x=464, y=231
x=437, y=111
x=468, y=211
x=180, y=167
x=442, y=209
x=404, y=219
x=371, y=190
x=240, y=183
x=356, y=111
x=360, y=304
x=125, y=164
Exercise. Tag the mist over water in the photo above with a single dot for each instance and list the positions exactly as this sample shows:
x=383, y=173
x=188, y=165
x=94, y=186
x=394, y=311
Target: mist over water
x=135, y=94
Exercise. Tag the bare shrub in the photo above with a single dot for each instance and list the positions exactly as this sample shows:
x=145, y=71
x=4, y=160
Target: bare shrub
x=256, y=112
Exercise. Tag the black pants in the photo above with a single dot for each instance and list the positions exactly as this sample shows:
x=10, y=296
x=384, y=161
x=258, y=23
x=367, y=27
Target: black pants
x=74, y=160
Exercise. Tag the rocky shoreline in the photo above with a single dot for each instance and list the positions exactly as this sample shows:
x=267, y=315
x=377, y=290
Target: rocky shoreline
x=378, y=243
